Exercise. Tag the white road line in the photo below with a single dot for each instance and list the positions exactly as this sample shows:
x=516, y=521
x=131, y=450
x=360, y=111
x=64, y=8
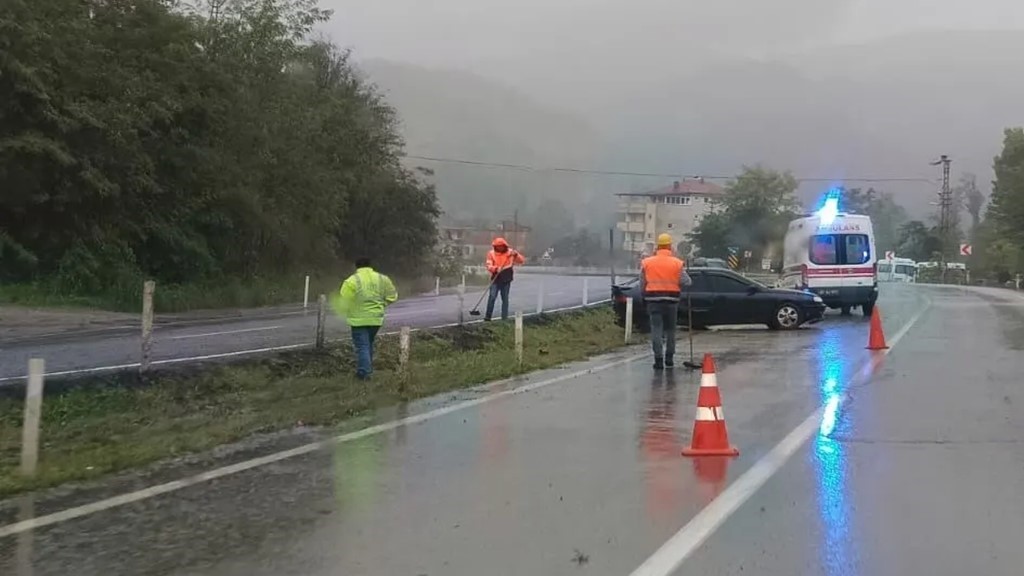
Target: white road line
x=146, y=493
x=667, y=559
x=116, y=367
x=225, y=332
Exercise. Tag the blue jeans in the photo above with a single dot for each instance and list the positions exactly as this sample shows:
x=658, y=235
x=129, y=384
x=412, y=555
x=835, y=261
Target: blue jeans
x=497, y=289
x=362, y=342
x=664, y=316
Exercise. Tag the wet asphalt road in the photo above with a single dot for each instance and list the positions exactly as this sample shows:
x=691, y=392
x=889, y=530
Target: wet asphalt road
x=180, y=343
x=918, y=470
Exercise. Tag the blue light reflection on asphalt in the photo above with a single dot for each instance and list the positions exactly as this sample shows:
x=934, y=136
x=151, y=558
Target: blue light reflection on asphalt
x=830, y=461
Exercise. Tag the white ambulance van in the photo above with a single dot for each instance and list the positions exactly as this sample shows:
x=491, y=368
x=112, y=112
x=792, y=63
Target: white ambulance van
x=833, y=255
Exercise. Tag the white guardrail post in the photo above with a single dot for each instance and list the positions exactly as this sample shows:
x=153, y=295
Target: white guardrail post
x=519, y=338
x=586, y=290
x=305, y=294
x=148, y=288
x=629, y=319
x=33, y=411
x=540, y=296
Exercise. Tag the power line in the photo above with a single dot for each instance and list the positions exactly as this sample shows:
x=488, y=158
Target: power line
x=595, y=172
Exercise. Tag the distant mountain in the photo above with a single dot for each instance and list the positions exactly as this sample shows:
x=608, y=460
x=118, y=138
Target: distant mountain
x=456, y=114
x=881, y=109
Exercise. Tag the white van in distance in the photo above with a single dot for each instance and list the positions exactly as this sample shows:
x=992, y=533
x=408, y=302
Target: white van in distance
x=833, y=255
x=902, y=270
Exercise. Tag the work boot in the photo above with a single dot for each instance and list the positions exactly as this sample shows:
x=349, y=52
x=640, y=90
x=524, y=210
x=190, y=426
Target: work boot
x=487, y=318
x=659, y=364
x=669, y=363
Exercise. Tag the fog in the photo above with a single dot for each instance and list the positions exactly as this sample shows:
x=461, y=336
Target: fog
x=842, y=89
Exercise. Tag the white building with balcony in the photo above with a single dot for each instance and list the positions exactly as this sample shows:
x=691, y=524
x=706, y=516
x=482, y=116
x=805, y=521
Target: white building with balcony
x=676, y=210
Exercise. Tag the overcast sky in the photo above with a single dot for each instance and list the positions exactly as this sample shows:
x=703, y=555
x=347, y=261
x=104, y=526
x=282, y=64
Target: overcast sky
x=475, y=32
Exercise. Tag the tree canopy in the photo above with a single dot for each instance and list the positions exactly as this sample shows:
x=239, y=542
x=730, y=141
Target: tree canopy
x=753, y=214
x=140, y=139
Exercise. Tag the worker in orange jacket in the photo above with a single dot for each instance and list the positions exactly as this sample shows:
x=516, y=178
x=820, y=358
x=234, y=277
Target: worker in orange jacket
x=500, y=261
x=662, y=278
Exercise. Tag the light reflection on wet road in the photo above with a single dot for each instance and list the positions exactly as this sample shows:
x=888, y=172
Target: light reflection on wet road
x=585, y=476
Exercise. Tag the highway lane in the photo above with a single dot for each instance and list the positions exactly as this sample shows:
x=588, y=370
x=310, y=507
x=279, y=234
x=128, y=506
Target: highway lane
x=913, y=463
x=181, y=343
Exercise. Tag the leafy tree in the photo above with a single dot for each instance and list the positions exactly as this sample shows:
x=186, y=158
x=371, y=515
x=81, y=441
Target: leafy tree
x=215, y=141
x=548, y=224
x=918, y=242
x=886, y=214
x=973, y=200
x=753, y=214
x=1006, y=209
x=583, y=247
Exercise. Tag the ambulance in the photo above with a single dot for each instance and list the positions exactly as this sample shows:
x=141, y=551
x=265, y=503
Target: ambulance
x=832, y=254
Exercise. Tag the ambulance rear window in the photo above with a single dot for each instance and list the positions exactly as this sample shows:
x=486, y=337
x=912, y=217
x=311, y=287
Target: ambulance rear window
x=840, y=249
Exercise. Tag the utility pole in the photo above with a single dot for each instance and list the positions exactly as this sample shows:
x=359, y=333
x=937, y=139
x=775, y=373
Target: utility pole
x=945, y=213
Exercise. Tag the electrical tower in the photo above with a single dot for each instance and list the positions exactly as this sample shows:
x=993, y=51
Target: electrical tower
x=945, y=213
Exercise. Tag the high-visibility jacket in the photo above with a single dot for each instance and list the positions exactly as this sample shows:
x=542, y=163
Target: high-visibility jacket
x=662, y=277
x=364, y=296
x=501, y=263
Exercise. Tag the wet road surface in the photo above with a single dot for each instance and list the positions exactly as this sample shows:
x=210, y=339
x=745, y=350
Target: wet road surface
x=177, y=343
x=915, y=466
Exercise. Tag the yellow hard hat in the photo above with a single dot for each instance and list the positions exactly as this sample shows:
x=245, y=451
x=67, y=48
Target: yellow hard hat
x=664, y=240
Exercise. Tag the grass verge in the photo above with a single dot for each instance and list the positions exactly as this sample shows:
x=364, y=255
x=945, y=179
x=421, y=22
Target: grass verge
x=108, y=425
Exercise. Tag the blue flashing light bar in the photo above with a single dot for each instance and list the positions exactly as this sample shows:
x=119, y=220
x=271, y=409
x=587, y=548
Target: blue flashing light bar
x=830, y=209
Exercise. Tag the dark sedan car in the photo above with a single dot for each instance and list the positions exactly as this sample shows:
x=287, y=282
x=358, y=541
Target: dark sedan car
x=722, y=297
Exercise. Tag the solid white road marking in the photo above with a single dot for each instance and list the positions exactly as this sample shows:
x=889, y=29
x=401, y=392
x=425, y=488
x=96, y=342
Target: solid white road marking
x=146, y=493
x=667, y=559
x=225, y=332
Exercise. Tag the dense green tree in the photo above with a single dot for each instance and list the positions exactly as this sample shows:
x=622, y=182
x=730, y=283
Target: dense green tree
x=887, y=215
x=752, y=215
x=918, y=242
x=1006, y=209
x=139, y=138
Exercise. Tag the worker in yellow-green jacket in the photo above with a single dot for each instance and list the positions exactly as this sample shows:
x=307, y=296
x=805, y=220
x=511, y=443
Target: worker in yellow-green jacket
x=364, y=297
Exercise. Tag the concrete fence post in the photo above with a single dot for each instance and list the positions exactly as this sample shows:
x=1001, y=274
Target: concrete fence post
x=629, y=319
x=437, y=286
x=586, y=291
x=519, y=339
x=540, y=297
x=321, y=320
x=33, y=412
x=403, y=349
x=148, y=288
x=462, y=302
x=305, y=294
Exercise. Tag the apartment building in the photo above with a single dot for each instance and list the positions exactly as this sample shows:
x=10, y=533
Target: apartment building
x=675, y=209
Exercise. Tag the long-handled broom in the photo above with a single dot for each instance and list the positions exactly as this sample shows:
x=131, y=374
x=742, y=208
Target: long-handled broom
x=689, y=332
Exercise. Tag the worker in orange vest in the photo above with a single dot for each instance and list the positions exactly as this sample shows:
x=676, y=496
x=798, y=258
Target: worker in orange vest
x=500, y=261
x=662, y=278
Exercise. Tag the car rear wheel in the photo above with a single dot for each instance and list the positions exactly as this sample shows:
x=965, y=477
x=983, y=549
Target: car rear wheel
x=787, y=317
x=868, y=308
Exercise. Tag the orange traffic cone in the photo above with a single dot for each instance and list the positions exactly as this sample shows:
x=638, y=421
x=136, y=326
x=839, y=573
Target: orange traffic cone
x=876, y=341
x=710, y=437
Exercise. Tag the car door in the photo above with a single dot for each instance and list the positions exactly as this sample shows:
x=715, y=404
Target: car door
x=732, y=300
x=698, y=294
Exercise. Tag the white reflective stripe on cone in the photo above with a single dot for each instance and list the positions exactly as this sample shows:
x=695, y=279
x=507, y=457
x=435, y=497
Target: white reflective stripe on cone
x=710, y=414
x=708, y=380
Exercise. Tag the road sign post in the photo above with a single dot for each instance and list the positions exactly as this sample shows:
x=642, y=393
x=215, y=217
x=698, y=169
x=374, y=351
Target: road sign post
x=734, y=259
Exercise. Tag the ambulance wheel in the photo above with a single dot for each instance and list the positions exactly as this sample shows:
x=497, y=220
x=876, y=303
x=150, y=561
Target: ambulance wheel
x=868, y=308
x=845, y=310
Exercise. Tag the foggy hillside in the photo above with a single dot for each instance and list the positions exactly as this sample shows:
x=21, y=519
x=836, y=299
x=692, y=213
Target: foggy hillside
x=881, y=109
x=456, y=114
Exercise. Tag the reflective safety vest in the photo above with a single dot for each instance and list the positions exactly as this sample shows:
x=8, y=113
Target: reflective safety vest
x=364, y=296
x=661, y=274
